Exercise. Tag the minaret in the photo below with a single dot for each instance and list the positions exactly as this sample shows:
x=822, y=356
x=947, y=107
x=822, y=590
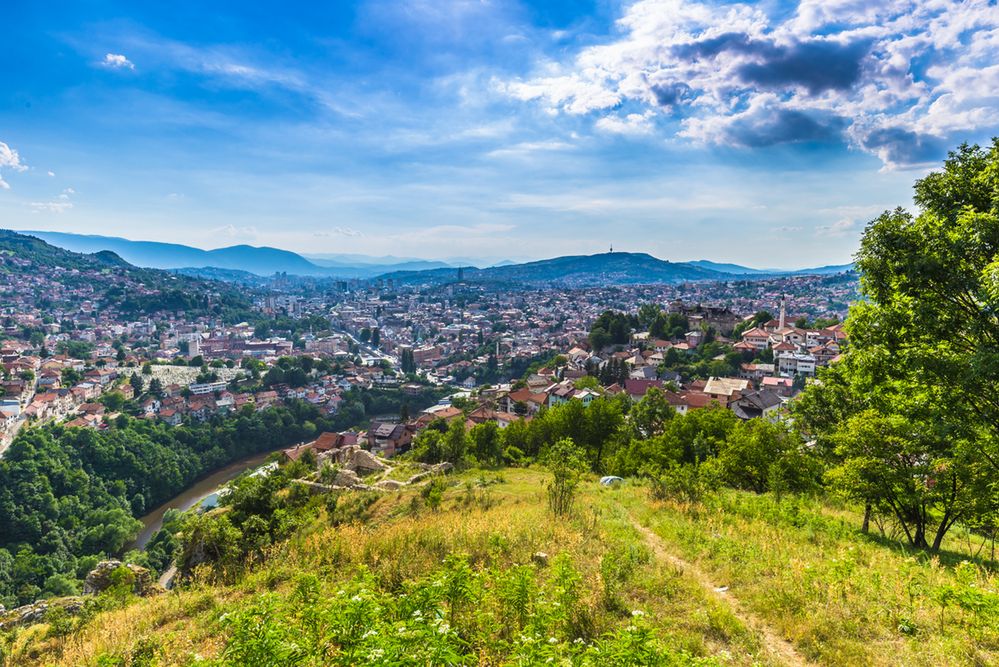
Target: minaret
x=783, y=314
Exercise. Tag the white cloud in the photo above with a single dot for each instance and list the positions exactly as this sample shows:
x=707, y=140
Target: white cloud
x=900, y=79
x=441, y=232
x=9, y=159
x=339, y=231
x=633, y=124
x=117, y=61
x=51, y=173
x=232, y=231
x=51, y=206
x=841, y=227
x=60, y=204
x=528, y=148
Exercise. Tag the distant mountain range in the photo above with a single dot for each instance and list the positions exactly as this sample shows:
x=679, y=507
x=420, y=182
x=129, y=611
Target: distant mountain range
x=261, y=261
x=155, y=255
x=746, y=271
x=241, y=263
x=618, y=268
x=113, y=282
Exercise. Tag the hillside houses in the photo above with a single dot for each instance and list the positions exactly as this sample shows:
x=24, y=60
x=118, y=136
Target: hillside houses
x=796, y=351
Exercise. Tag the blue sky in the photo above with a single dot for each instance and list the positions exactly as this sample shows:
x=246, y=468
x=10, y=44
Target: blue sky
x=766, y=133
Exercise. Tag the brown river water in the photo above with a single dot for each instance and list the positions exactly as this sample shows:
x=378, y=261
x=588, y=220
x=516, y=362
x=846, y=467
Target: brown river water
x=194, y=494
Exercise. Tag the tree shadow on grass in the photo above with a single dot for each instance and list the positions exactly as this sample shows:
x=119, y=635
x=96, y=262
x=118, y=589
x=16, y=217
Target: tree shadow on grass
x=947, y=557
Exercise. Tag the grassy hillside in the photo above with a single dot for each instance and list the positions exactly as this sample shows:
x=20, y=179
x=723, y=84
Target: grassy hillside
x=488, y=576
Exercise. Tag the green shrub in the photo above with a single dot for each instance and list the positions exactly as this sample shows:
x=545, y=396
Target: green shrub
x=567, y=466
x=682, y=482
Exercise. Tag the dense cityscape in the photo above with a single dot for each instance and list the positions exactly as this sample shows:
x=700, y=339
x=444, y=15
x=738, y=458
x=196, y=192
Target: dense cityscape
x=69, y=346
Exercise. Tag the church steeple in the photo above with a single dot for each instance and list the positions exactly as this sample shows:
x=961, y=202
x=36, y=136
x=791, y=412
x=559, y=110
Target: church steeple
x=783, y=314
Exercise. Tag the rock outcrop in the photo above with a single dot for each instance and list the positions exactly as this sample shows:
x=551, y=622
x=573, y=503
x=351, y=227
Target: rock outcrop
x=359, y=470
x=102, y=578
x=30, y=614
x=365, y=462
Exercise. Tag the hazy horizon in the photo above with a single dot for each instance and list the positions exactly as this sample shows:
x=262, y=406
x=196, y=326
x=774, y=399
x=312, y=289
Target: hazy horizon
x=481, y=262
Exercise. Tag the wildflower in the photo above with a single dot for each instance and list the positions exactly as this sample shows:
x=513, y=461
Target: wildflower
x=369, y=633
x=552, y=640
x=637, y=612
x=356, y=598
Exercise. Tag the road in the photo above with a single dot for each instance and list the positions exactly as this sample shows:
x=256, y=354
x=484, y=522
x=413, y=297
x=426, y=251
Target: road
x=370, y=351
x=9, y=434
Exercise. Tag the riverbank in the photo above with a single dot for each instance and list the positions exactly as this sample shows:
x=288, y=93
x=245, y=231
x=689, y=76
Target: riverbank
x=195, y=493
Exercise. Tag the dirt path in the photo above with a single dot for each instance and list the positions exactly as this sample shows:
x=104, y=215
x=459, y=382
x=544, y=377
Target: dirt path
x=776, y=647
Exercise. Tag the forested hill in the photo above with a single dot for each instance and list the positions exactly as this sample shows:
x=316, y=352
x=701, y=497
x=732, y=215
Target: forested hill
x=35, y=274
x=612, y=268
x=40, y=253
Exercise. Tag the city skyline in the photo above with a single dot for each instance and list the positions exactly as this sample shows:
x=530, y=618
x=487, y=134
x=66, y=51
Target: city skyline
x=765, y=134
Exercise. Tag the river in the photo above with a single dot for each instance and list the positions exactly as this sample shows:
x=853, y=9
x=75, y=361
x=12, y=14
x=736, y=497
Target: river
x=194, y=494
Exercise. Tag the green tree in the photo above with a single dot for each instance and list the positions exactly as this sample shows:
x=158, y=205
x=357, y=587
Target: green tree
x=910, y=419
x=70, y=377
x=487, y=442
x=156, y=387
x=648, y=418
x=911, y=471
x=611, y=328
x=648, y=313
x=760, y=455
x=454, y=444
x=566, y=464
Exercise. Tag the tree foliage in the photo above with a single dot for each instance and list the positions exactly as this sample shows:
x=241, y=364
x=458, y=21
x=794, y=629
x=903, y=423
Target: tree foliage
x=67, y=494
x=909, y=421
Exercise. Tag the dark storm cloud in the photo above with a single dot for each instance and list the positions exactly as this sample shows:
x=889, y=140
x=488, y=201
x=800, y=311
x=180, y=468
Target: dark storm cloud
x=783, y=126
x=735, y=42
x=671, y=94
x=817, y=66
x=900, y=147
